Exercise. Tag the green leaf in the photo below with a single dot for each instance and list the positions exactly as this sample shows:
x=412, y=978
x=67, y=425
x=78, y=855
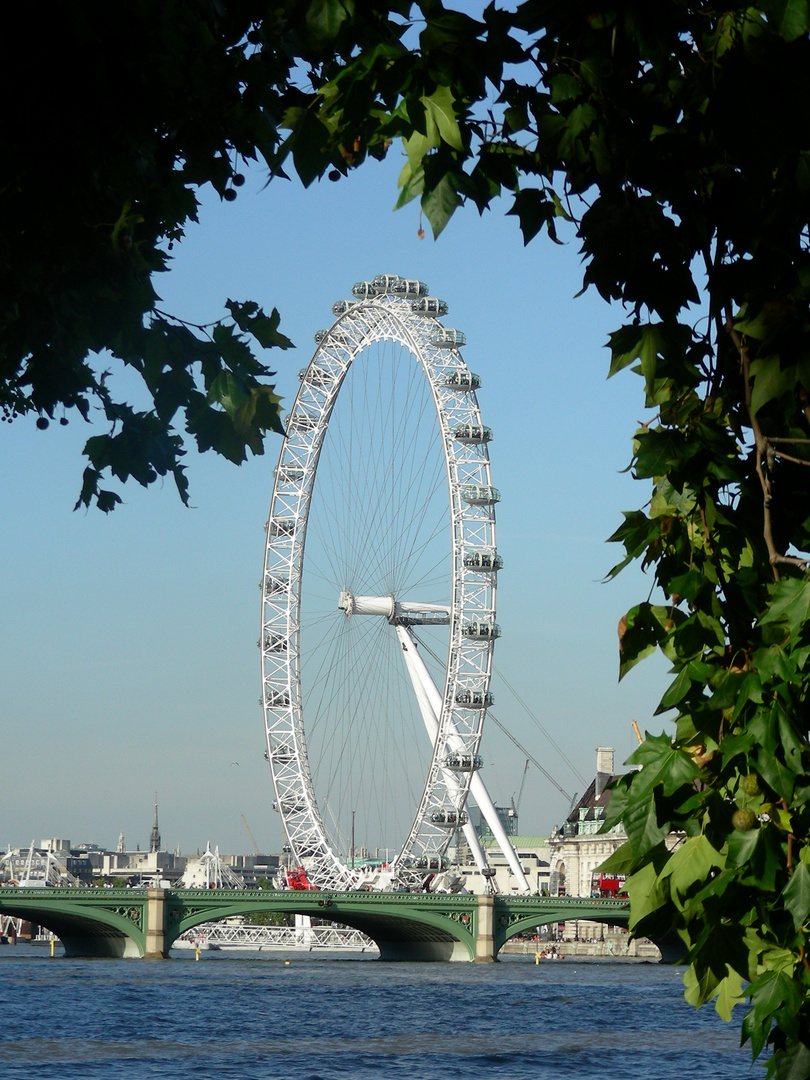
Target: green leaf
x=730, y=993
x=229, y=391
x=640, y=822
x=416, y=146
x=646, y=896
x=677, y=691
x=790, y=601
x=793, y=1062
x=661, y=764
x=412, y=182
x=776, y=775
x=441, y=120
x=791, y=17
x=796, y=894
x=533, y=210
x=771, y=381
x=699, y=986
x=439, y=204
x=324, y=18
x=691, y=864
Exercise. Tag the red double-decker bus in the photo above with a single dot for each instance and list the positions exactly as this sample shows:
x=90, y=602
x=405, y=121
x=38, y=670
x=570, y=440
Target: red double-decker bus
x=608, y=886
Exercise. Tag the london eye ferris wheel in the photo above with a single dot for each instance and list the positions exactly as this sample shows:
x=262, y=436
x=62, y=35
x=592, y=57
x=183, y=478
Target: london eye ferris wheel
x=378, y=594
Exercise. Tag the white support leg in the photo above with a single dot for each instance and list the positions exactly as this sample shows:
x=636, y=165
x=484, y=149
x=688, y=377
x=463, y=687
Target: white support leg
x=477, y=787
x=426, y=693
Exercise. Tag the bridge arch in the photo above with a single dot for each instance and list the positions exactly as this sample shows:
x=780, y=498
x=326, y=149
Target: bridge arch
x=400, y=925
x=114, y=926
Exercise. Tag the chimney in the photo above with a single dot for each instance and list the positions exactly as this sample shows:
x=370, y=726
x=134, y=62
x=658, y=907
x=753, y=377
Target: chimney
x=604, y=767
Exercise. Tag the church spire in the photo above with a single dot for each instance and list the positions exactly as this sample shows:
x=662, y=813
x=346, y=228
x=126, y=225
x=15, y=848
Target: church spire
x=154, y=839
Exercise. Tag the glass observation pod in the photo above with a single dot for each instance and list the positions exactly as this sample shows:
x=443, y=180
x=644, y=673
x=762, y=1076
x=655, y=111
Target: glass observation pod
x=481, y=631
x=337, y=337
x=281, y=527
x=459, y=762
x=283, y=754
x=462, y=380
x=449, y=819
x=480, y=494
x=385, y=283
x=485, y=561
x=278, y=699
x=293, y=807
x=474, y=699
x=429, y=305
x=302, y=422
x=342, y=306
x=275, y=642
x=472, y=433
x=363, y=290
x=428, y=862
x=409, y=289
x=315, y=376
x=275, y=585
x=289, y=474
x=446, y=338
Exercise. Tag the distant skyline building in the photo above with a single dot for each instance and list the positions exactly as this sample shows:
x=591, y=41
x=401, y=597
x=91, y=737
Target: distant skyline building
x=154, y=837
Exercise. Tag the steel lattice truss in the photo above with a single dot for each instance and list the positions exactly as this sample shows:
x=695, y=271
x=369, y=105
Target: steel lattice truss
x=387, y=310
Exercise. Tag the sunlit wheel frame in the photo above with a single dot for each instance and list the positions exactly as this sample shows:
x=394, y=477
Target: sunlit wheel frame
x=391, y=323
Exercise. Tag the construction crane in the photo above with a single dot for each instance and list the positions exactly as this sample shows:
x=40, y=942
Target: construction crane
x=250, y=834
x=522, y=782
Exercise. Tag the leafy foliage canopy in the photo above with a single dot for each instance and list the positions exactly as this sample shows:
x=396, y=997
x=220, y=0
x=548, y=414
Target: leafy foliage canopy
x=673, y=140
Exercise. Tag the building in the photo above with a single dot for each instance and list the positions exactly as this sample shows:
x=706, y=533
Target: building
x=577, y=848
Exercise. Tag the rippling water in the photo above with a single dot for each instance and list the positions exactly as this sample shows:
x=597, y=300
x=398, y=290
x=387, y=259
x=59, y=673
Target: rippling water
x=253, y=1017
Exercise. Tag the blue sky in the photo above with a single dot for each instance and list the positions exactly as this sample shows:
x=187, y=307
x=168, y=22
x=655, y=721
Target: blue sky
x=129, y=661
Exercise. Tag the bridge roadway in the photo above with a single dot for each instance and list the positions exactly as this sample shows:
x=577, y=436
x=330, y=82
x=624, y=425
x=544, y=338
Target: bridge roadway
x=405, y=926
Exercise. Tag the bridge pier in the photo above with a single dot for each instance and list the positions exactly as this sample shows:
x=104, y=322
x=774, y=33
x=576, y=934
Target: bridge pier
x=156, y=925
x=485, y=938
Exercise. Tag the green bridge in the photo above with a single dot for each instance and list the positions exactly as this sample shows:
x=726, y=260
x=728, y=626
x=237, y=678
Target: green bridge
x=405, y=926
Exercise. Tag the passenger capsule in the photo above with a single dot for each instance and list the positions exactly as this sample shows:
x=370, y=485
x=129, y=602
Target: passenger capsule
x=283, y=754
x=462, y=380
x=480, y=494
x=480, y=630
x=470, y=698
x=290, y=807
x=364, y=290
x=449, y=819
x=302, y=422
x=409, y=289
x=342, y=306
x=429, y=305
x=461, y=762
x=276, y=699
x=472, y=433
x=433, y=863
x=316, y=376
x=281, y=527
x=485, y=561
x=335, y=337
x=445, y=338
x=275, y=642
x=386, y=283
x=289, y=474
x=275, y=585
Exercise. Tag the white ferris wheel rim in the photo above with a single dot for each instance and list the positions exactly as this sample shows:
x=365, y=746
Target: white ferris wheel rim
x=382, y=315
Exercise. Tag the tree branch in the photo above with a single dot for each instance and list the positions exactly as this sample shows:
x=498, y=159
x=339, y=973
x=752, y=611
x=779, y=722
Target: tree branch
x=761, y=447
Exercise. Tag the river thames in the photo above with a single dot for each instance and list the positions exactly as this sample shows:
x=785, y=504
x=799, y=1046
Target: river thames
x=255, y=1017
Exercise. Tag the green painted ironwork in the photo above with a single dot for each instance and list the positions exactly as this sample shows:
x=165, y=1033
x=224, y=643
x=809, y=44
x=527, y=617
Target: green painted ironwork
x=93, y=921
